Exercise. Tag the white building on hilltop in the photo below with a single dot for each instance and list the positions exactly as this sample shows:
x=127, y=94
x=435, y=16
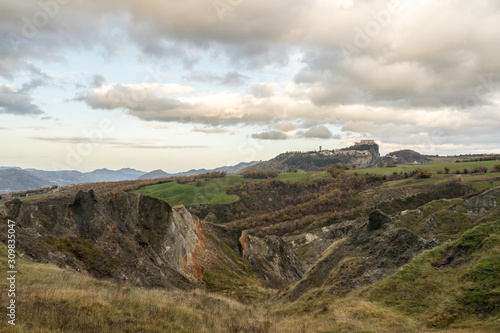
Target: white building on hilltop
x=365, y=142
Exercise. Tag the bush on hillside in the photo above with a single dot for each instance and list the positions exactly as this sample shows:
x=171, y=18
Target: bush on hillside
x=336, y=170
x=264, y=174
x=420, y=174
x=480, y=169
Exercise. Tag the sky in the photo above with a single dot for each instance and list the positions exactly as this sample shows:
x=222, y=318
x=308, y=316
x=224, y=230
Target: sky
x=176, y=85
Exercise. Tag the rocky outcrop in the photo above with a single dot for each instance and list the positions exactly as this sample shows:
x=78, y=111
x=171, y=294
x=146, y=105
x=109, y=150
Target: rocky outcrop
x=372, y=252
x=363, y=155
x=310, y=245
x=228, y=236
x=273, y=259
x=145, y=242
x=379, y=220
x=482, y=204
x=120, y=236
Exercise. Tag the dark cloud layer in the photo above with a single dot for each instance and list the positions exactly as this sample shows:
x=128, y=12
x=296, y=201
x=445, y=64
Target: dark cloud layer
x=17, y=102
x=429, y=61
x=229, y=79
x=421, y=71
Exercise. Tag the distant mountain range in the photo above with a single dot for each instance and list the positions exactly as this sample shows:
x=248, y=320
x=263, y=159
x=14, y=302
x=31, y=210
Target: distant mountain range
x=364, y=154
x=15, y=179
x=231, y=170
x=12, y=180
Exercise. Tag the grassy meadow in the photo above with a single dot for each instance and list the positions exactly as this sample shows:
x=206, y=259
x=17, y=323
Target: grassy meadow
x=433, y=167
x=213, y=191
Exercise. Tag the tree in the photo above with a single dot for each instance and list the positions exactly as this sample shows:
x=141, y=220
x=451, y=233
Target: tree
x=419, y=173
x=336, y=170
x=446, y=170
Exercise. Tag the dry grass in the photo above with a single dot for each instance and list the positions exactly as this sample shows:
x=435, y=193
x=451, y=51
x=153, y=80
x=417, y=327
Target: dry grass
x=50, y=299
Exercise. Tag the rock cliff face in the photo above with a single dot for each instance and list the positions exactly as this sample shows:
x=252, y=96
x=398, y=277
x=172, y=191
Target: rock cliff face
x=145, y=242
x=372, y=252
x=363, y=155
x=481, y=204
x=121, y=236
x=272, y=259
x=312, y=244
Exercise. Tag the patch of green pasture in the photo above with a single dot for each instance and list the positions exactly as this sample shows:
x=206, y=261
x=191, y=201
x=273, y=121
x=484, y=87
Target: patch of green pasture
x=433, y=167
x=302, y=177
x=183, y=194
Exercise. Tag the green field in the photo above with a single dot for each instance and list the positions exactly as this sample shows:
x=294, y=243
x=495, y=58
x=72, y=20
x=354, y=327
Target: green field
x=212, y=191
x=453, y=159
x=433, y=167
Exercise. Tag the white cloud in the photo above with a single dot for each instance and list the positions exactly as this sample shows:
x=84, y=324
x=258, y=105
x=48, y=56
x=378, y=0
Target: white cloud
x=271, y=135
x=212, y=130
x=17, y=102
x=156, y=125
x=317, y=132
x=264, y=90
x=278, y=112
x=229, y=79
x=285, y=127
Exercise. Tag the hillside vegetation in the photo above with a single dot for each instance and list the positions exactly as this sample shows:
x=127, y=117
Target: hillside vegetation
x=433, y=167
x=454, y=285
x=214, y=191
x=452, y=288
x=209, y=192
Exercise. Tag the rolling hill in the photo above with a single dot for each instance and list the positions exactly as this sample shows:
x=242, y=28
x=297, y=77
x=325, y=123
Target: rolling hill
x=17, y=179
x=13, y=180
x=363, y=155
x=230, y=170
x=406, y=156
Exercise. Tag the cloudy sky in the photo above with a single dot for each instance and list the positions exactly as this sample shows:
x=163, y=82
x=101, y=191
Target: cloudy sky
x=187, y=84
